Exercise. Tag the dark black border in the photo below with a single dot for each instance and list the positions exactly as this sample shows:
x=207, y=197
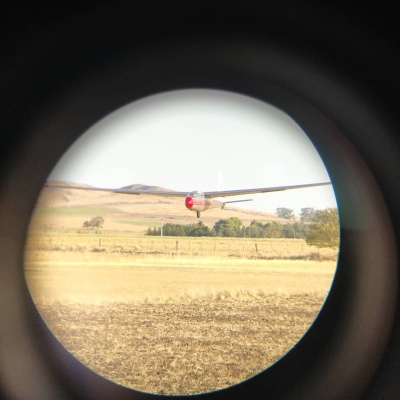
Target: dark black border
x=321, y=66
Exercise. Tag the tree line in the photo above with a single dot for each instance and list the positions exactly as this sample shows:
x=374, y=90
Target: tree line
x=317, y=227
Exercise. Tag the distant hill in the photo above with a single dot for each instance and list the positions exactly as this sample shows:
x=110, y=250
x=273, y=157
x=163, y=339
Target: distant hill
x=147, y=188
x=66, y=183
x=53, y=197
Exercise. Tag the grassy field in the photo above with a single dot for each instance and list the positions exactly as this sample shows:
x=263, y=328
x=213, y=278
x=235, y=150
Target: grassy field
x=120, y=243
x=71, y=211
x=156, y=278
x=176, y=315
x=179, y=329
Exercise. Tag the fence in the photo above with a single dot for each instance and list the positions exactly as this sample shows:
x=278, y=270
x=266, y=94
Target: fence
x=217, y=246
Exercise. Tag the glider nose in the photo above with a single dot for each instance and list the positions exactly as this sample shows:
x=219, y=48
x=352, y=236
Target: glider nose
x=189, y=202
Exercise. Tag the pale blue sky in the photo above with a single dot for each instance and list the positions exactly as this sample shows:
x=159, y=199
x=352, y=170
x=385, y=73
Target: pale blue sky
x=181, y=140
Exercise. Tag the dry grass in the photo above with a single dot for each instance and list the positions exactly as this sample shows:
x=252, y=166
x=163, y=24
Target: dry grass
x=179, y=246
x=188, y=346
x=105, y=281
x=174, y=322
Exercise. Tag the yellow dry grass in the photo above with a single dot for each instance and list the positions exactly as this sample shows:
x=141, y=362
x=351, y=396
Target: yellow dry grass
x=112, y=243
x=174, y=323
x=182, y=347
x=153, y=278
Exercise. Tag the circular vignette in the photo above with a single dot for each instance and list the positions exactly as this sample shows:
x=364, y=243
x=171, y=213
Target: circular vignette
x=342, y=350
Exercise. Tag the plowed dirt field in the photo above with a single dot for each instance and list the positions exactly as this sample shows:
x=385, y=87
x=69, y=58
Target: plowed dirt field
x=190, y=346
x=178, y=326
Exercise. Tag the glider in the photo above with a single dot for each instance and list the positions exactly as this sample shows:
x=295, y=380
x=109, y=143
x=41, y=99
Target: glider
x=197, y=200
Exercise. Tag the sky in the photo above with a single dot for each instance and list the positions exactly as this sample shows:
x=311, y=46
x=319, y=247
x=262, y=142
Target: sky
x=196, y=139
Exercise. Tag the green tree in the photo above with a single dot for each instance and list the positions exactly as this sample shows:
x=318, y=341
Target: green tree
x=273, y=230
x=174, y=230
x=231, y=227
x=288, y=231
x=295, y=230
x=300, y=230
x=283, y=212
x=199, y=230
x=169, y=229
x=95, y=222
x=153, y=232
x=255, y=230
x=324, y=231
x=307, y=214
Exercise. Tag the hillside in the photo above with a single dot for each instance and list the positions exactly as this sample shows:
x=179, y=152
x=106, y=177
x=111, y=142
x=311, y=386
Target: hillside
x=69, y=208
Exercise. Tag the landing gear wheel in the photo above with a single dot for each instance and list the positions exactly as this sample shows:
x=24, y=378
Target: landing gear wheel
x=198, y=214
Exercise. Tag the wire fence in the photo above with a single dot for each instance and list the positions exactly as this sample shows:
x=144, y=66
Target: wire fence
x=185, y=246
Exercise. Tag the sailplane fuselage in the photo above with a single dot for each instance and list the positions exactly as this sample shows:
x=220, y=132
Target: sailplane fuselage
x=197, y=201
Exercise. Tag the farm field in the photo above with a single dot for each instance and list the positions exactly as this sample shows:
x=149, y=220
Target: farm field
x=62, y=245
x=182, y=347
x=156, y=278
x=172, y=321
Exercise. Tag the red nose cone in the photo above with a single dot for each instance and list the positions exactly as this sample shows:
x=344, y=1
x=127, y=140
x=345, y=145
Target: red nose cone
x=189, y=202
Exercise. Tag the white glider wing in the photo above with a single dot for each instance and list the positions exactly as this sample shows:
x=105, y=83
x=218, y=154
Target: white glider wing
x=164, y=193
x=223, y=193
